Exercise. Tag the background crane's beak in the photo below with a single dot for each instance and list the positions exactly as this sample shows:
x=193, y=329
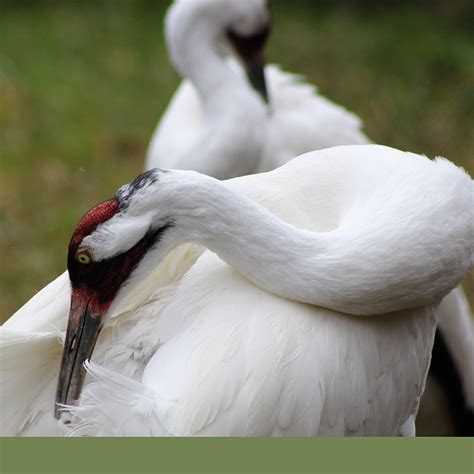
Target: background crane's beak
x=255, y=69
x=81, y=336
x=250, y=50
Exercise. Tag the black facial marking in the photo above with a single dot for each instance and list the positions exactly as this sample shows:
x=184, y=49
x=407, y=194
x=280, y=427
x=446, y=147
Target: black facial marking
x=145, y=179
x=105, y=278
x=250, y=45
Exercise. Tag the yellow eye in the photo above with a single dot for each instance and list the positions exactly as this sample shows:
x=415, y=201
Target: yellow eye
x=82, y=256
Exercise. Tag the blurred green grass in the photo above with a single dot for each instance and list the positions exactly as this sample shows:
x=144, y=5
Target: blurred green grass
x=82, y=86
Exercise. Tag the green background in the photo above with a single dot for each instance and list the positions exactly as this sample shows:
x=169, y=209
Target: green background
x=83, y=84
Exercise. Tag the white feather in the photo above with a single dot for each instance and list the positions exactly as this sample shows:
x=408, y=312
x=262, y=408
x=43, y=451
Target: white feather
x=238, y=361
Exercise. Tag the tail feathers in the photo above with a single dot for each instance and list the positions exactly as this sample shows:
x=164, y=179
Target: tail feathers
x=452, y=362
x=114, y=405
x=443, y=369
x=29, y=365
x=288, y=90
x=456, y=325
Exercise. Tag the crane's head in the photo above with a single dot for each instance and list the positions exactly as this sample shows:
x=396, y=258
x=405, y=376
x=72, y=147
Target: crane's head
x=242, y=25
x=248, y=32
x=105, y=258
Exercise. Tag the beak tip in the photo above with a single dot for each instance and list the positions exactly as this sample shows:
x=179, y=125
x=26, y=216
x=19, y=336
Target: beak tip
x=58, y=410
x=72, y=371
x=255, y=69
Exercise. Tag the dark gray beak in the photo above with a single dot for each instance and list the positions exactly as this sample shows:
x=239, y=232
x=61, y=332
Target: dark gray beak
x=255, y=69
x=81, y=336
x=250, y=50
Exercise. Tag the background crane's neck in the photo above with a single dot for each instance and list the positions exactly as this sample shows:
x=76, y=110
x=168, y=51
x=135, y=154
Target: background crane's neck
x=232, y=135
x=192, y=37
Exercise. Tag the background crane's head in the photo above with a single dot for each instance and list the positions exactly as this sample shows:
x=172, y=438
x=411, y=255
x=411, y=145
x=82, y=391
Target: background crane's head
x=248, y=27
x=242, y=25
x=249, y=44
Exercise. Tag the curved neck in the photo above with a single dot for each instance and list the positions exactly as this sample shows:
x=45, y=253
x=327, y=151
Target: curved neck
x=321, y=268
x=293, y=263
x=232, y=133
x=192, y=40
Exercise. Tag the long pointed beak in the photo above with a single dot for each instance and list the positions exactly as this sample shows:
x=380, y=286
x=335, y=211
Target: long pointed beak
x=255, y=69
x=81, y=336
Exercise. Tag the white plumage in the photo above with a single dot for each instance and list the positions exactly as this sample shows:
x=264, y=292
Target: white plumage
x=216, y=123
x=236, y=359
x=222, y=356
x=220, y=140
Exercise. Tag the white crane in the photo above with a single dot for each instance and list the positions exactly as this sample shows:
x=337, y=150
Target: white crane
x=31, y=413
x=219, y=354
x=218, y=125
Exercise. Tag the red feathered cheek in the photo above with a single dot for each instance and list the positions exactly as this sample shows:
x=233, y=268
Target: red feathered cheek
x=97, y=308
x=86, y=299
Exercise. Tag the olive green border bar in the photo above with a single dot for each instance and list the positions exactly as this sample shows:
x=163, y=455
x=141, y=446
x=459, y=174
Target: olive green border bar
x=140, y=455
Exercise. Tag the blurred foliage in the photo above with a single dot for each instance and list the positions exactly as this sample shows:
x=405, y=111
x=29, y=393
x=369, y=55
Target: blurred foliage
x=82, y=85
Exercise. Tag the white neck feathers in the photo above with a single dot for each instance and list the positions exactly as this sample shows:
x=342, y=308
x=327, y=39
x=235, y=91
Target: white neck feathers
x=192, y=34
x=370, y=263
x=232, y=133
x=388, y=230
